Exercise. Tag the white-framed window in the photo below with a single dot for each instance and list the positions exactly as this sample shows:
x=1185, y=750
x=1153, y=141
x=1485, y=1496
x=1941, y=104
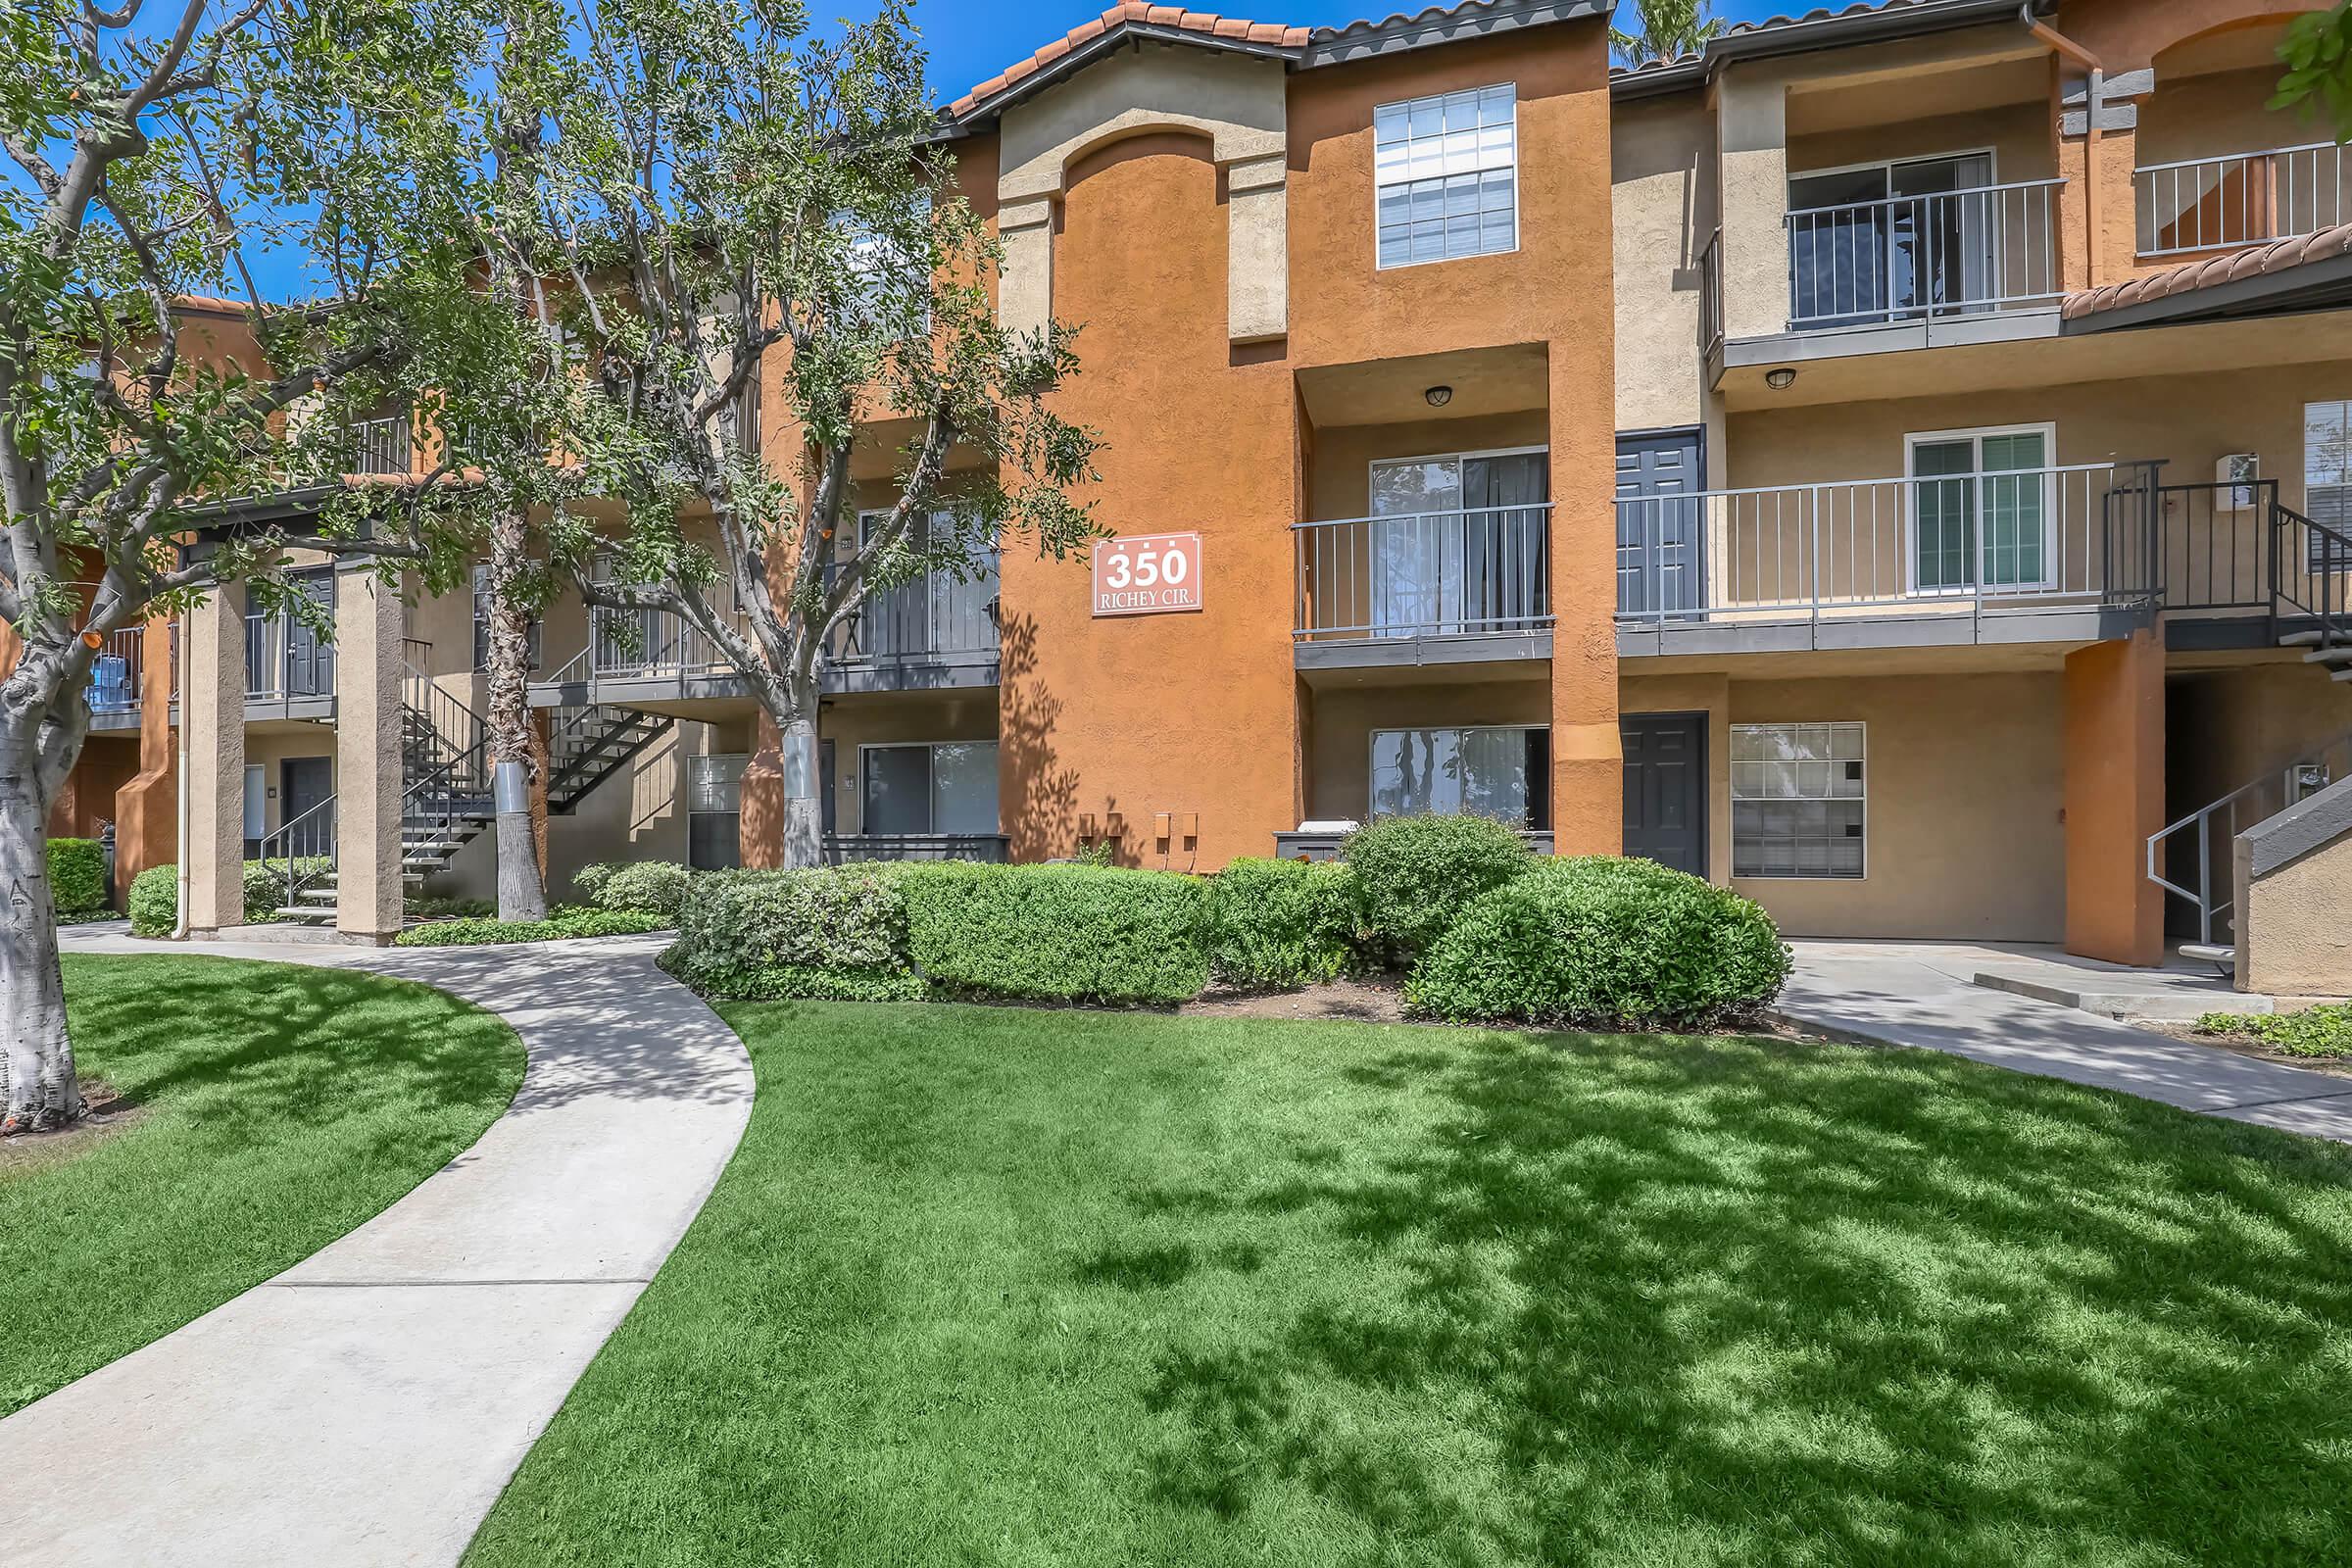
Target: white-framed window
x=1447, y=175
x=1799, y=800
x=481, y=623
x=1981, y=505
x=2327, y=481
x=1498, y=771
x=928, y=787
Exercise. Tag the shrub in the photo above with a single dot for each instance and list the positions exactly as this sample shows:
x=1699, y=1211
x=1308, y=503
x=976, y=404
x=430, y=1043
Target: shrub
x=1602, y=942
x=656, y=887
x=1279, y=922
x=423, y=909
x=1065, y=933
x=589, y=880
x=1414, y=873
x=77, y=875
x=155, y=893
x=2321, y=1031
x=569, y=921
x=837, y=933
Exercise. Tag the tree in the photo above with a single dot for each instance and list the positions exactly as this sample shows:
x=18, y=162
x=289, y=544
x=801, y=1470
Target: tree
x=2318, y=54
x=751, y=215
x=153, y=161
x=1664, y=29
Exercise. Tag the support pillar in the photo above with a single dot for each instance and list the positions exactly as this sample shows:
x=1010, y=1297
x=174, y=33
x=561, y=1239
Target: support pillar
x=760, y=828
x=147, y=809
x=368, y=776
x=211, y=705
x=1588, y=753
x=2114, y=798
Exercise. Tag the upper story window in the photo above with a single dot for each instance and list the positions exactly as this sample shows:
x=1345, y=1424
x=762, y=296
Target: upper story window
x=1448, y=174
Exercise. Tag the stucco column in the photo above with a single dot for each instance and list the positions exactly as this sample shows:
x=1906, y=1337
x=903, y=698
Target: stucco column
x=1257, y=271
x=1753, y=126
x=760, y=829
x=1025, y=283
x=2114, y=795
x=211, y=705
x=1587, y=756
x=146, y=809
x=2100, y=182
x=368, y=776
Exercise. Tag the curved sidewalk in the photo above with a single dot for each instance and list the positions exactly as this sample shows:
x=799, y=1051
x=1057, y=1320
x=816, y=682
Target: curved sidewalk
x=367, y=1405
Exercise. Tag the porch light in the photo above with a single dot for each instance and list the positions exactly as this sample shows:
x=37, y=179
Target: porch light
x=1437, y=397
x=1781, y=379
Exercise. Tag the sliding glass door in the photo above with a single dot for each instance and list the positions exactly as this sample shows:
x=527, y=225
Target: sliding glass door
x=1886, y=241
x=1458, y=543
x=1980, y=509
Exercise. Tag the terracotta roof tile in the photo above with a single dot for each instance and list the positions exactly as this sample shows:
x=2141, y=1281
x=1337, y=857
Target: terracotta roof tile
x=2260, y=261
x=1206, y=22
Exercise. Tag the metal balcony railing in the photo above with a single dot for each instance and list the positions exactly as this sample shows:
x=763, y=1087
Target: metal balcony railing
x=935, y=616
x=1908, y=258
x=285, y=660
x=114, y=673
x=1469, y=572
x=380, y=446
x=2021, y=539
x=645, y=643
x=2207, y=204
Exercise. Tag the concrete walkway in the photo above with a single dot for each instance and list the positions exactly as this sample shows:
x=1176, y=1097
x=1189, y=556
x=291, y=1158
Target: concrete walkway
x=367, y=1406
x=1922, y=994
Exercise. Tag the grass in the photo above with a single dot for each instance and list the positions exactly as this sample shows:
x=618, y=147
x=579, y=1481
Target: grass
x=271, y=1110
x=991, y=1286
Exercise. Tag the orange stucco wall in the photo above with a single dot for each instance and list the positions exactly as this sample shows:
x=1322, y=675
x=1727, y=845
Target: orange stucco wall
x=1189, y=714
x=2114, y=738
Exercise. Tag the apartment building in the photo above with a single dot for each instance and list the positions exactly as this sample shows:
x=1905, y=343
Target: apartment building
x=1897, y=462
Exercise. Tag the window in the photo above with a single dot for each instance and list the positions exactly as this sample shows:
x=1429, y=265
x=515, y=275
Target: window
x=1501, y=771
x=1885, y=241
x=714, y=812
x=1980, y=509
x=481, y=625
x=1446, y=173
x=947, y=787
x=2328, y=481
x=1798, y=793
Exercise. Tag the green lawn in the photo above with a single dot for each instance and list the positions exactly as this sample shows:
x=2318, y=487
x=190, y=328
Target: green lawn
x=998, y=1285
x=278, y=1107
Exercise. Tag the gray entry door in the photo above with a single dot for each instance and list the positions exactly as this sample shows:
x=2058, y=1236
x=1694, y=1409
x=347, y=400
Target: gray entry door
x=304, y=782
x=1666, y=788
x=1659, y=565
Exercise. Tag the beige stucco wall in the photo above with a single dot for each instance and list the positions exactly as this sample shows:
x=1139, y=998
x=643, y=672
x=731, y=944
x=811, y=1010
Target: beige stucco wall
x=2018, y=136
x=2295, y=934
x=1339, y=772
x=1662, y=208
x=1339, y=469
x=2223, y=111
x=1961, y=831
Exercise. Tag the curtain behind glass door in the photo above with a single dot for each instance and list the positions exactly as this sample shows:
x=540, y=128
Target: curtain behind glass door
x=1417, y=558
x=1502, y=548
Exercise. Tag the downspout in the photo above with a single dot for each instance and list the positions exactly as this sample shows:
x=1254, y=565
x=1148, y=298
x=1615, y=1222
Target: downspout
x=2090, y=126
x=179, y=919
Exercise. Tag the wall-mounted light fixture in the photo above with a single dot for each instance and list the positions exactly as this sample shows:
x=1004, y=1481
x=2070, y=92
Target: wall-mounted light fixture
x=1781, y=380
x=1437, y=397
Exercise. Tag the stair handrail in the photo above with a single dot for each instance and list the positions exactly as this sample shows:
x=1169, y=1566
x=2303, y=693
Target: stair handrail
x=304, y=826
x=2318, y=594
x=2286, y=775
x=456, y=731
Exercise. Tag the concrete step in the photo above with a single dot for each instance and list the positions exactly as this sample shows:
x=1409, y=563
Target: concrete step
x=309, y=912
x=2335, y=654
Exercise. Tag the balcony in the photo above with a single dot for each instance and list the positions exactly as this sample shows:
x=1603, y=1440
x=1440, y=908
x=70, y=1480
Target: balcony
x=937, y=632
x=381, y=446
x=2004, y=556
x=1924, y=257
x=113, y=695
x=289, y=669
x=1424, y=588
x=2202, y=205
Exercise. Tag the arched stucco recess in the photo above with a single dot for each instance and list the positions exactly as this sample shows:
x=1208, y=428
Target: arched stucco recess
x=1236, y=102
x=2129, y=34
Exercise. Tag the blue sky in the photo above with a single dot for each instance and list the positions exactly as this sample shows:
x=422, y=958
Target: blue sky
x=971, y=41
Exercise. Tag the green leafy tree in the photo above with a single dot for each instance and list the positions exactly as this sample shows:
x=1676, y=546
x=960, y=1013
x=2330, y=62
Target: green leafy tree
x=2318, y=54
x=154, y=159
x=768, y=271
x=1664, y=29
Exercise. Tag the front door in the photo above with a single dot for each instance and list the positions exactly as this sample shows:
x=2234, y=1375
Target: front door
x=311, y=659
x=1666, y=789
x=1659, y=569
x=304, y=782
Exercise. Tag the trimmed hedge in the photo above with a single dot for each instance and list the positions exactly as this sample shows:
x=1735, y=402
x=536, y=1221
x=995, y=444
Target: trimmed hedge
x=78, y=876
x=1413, y=874
x=834, y=933
x=658, y=887
x=567, y=922
x=1280, y=923
x=1056, y=932
x=1600, y=942
x=155, y=893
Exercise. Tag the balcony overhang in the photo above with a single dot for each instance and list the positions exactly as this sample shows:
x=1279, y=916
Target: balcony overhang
x=1895, y=628
x=1466, y=656
x=1747, y=359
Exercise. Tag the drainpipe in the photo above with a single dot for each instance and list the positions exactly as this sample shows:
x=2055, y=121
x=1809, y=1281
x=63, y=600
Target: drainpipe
x=179, y=921
x=2090, y=124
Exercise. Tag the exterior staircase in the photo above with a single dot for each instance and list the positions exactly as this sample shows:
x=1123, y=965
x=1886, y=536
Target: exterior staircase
x=587, y=743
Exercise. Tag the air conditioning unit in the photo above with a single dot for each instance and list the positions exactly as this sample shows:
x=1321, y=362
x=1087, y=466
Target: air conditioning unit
x=2234, y=481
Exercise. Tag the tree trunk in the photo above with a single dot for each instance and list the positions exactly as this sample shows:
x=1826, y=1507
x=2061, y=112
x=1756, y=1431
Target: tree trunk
x=803, y=809
x=41, y=1088
x=521, y=894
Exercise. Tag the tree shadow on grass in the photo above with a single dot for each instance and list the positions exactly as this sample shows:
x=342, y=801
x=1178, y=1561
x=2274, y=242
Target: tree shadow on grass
x=1760, y=1302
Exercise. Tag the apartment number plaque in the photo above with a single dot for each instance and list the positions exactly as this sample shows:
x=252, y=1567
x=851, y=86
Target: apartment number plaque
x=1148, y=575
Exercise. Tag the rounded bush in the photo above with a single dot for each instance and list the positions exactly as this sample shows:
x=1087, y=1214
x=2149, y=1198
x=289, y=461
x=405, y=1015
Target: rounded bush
x=1414, y=873
x=1279, y=922
x=154, y=901
x=1600, y=942
x=646, y=887
x=590, y=879
x=78, y=876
